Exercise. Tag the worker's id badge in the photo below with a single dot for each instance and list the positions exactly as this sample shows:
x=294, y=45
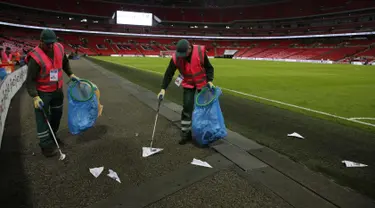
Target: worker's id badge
x=179, y=80
x=53, y=75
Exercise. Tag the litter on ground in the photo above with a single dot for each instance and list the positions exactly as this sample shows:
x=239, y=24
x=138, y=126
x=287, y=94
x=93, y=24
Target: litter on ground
x=351, y=164
x=295, y=134
x=200, y=163
x=112, y=174
x=96, y=171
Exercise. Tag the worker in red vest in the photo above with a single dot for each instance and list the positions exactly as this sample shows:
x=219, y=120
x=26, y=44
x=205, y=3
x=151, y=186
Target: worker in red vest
x=44, y=83
x=196, y=72
x=6, y=56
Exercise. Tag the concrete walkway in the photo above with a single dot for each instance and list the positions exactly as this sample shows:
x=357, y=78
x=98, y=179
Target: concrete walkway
x=237, y=179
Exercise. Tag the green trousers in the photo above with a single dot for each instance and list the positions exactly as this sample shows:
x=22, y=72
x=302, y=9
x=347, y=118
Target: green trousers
x=187, y=112
x=53, y=106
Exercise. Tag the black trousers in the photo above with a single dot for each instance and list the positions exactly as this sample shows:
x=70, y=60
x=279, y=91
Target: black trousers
x=53, y=106
x=187, y=112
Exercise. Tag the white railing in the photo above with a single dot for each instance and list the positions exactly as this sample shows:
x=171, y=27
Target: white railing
x=190, y=37
x=8, y=88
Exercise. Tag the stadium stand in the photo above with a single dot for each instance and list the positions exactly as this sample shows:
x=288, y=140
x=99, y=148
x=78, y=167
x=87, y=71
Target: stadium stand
x=108, y=45
x=79, y=16
x=268, y=18
x=273, y=10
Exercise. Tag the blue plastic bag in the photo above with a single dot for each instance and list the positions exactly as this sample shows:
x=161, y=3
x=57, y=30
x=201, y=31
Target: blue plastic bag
x=3, y=73
x=22, y=62
x=208, y=121
x=82, y=108
x=76, y=57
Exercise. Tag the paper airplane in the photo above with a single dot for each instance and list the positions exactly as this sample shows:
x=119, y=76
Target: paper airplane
x=112, y=174
x=96, y=171
x=147, y=151
x=295, y=134
x=200, y=163
x=350, y=164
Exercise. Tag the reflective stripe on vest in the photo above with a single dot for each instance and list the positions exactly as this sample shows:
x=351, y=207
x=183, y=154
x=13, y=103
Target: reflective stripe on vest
x=200, y=80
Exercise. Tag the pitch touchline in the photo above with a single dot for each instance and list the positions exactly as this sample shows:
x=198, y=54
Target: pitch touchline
x=363, y=118
x=355, y=120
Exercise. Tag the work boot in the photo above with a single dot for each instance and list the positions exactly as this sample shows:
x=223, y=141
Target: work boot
x=185, y=138
x=49, y=151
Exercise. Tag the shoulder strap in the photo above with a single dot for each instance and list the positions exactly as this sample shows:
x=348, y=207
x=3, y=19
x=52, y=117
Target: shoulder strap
x=35, y=54
x=61, y=48
x=200, y=54
x=174, y=59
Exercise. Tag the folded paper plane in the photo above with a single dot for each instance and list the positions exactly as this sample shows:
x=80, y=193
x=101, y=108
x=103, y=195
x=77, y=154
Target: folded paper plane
x=351, y=164
x=200, y=163
x=295, y=134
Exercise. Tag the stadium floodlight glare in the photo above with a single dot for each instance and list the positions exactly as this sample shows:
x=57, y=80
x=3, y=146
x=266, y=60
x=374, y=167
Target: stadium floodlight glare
x=189, y=36
x=134, y=18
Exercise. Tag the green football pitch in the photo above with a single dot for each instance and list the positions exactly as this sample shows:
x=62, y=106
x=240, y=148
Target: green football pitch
x=340, y=92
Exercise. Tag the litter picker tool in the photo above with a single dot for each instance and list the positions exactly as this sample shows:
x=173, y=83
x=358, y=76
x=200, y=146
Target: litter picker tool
x=148, y=151
x=62, y=155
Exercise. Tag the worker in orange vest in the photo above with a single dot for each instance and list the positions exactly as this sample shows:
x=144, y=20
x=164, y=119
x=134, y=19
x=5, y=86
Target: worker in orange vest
x=17, y=57
x=196, y=72
x=44, y=83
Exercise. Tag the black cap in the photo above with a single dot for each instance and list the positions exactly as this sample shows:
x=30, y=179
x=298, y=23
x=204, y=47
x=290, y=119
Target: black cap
x=182, y=48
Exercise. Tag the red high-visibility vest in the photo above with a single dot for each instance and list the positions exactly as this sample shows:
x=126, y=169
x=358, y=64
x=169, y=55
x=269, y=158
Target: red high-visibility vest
x=46, y=65
x=194, y=74
x=5, y=58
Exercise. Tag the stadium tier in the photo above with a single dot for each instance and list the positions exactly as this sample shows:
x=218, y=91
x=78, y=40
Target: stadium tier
x=293, y=18
x=261, y=10
x=310, y=49
x=272, y=19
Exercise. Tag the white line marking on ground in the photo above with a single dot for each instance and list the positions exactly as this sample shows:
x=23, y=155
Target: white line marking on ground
x=355, y=120
x=362, y=118
x=302, y=108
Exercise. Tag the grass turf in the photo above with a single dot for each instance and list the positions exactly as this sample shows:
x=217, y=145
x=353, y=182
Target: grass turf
x=342, y=90
x=323, y=151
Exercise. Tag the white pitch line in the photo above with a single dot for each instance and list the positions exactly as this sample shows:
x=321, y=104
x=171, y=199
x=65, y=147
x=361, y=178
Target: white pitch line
x=362, y=118
x=300, y=107
x=282, y=103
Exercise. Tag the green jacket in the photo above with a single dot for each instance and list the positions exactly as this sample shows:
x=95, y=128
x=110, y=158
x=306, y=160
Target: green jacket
x=34, y=70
